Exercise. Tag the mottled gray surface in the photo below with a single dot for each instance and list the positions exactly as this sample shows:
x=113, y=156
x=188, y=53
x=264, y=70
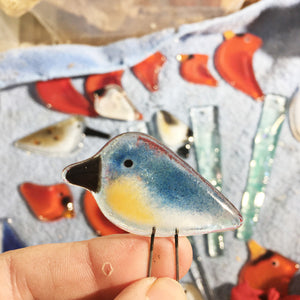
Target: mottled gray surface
x=277, y=68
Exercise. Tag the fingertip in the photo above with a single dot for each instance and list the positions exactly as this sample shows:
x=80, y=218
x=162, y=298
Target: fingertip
x=152, y=288
x=166, y=288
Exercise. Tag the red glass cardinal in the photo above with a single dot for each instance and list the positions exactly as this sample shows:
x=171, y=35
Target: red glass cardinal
x=50, y=202
x=147, y=71
x=233, y=60
x=193, y=68
x=59, y=94
x=267, y=270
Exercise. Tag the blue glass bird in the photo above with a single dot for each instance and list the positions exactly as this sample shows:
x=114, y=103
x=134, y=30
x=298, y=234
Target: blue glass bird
x=139, y=184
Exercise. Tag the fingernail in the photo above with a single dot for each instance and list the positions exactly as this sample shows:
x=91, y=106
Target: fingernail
x=166, y=288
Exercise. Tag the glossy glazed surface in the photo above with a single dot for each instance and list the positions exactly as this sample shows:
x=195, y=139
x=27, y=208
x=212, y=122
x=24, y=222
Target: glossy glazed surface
x=140, y=184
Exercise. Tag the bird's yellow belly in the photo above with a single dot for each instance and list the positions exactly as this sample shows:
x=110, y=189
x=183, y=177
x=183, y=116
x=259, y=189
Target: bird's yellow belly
x=128, y=198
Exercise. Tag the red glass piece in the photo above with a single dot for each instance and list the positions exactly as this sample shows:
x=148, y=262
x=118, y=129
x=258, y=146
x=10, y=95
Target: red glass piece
x=245, y=292
x=267, y=269
x=48, y=203
x=233, y=60
x=147, y=71
x=193, y=68
x=60, y=95
x=99, y=81
x=96, y=218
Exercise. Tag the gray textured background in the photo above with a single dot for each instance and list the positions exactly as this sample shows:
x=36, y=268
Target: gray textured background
x=277, y=68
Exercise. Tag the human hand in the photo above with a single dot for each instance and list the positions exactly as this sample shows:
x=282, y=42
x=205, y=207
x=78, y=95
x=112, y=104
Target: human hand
x=101, y=268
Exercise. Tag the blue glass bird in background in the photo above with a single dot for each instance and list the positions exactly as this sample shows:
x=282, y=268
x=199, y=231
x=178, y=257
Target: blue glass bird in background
x=144, y=188
x=9, y=240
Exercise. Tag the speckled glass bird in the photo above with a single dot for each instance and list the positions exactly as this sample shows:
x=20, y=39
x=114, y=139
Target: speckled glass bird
x=144, y=188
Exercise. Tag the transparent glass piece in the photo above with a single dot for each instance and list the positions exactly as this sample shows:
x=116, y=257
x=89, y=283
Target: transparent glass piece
x=267, y=269
x=264, y=147
x=112, y=102
x=59, y=139
x=193, y=68
x=148, y=70
x=9, y=240
x=95, y=217
x=157, y=189
x=208, y=155
x=233, y=61
x=48, y=202
x=294, y=115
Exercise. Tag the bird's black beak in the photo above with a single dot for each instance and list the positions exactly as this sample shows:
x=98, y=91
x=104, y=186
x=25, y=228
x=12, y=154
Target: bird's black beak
x=86, y=174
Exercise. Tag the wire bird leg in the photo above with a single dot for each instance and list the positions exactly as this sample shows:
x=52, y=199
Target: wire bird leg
x=176, y=254
x=151, y=251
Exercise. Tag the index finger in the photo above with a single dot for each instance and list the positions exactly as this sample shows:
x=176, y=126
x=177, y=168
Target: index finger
x=95, y=269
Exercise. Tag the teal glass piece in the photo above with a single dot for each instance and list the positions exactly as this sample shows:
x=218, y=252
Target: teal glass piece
x=208, y=154
x=140, y=184
x=264, y=147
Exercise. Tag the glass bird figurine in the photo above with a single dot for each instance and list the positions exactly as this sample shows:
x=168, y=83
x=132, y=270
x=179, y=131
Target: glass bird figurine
x=144, y=188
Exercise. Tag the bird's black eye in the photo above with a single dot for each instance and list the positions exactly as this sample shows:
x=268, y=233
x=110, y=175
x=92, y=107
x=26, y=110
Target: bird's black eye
x=128, y=163
x=275, y=263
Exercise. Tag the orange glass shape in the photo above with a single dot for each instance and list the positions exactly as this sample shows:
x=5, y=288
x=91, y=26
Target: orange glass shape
x=48, y=203
x=96, y=218
x=233, y=60
x=99, y=81
x=193, y=68
x=60, y=95
x=267, y=269
x=147, y=71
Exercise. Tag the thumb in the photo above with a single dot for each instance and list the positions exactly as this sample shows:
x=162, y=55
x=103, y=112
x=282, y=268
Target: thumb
x=152, y=288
